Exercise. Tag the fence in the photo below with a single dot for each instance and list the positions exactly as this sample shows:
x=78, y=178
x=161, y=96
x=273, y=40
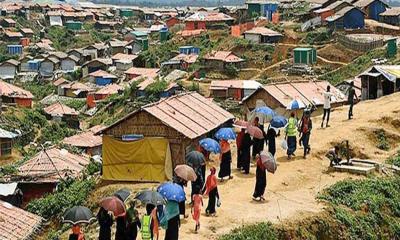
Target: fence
x=359, y=44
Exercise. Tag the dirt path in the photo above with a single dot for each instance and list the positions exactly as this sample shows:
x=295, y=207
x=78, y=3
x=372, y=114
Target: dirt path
x=332, y=62
x=291, y=191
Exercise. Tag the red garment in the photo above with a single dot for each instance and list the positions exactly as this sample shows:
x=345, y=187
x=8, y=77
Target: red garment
x=205, y=153
x=305, y=125
x=260, y=164
x=239, y=139
x=197, y=203
x=225, y=147
x=211, y=183
x=76, y=229
x=154, y=219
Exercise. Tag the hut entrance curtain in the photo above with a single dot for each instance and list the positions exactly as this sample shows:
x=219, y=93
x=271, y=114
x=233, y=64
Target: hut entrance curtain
x=148, y=159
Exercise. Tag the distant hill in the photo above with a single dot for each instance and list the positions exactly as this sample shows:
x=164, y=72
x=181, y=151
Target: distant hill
x=172, y=3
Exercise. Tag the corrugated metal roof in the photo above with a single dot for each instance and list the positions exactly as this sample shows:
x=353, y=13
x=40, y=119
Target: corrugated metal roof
x=190, y=114
x=308, y=92
x=209, y=17
x=225, y=56
x=12, y=91
x=263, y=31
x=145, y=72
x=86, y=139
x=59, y=109
x=391, y=12
x=240, y=84
x=365, y=3
x=51, y=165
x=15, y=223
x=110, y=89
x=7, y=134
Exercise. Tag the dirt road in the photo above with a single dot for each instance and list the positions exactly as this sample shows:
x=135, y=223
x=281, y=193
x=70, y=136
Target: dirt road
x=291, y=191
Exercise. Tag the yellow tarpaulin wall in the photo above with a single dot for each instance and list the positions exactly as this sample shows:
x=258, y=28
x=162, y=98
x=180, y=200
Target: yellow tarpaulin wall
x=148, y=159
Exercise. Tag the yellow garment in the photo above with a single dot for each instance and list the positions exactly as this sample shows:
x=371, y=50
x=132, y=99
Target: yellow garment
x=148, y=159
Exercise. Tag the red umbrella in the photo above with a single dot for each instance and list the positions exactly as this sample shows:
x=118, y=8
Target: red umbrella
x=268, y=161
x=255, y=132
x=114, y=205
x=185, y=172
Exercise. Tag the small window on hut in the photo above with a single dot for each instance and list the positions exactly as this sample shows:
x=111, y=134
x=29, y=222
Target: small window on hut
x=5, y=147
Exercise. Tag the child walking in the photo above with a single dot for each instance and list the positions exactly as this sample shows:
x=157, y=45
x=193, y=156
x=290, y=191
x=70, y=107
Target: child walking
x=196, y=209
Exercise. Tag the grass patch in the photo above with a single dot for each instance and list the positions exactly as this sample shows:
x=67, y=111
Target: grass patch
x=382, y=141
x=354, y=68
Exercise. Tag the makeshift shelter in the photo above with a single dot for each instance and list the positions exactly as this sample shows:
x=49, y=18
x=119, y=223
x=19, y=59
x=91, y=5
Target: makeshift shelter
x=347, y=18
x=9, y=69
x=135, y=72
x=380, y=80
x=74, y=89
x=69, y=63
x=103, y=78
x=170, y=125
x=60, y=112
x=18, y=224
x=11, y=94
x=305, y=56
x=42, y=173
x=6, y=143
x=87, y=141
x=391, y=16
x=236, y=89
x=372, y=7
x=204, y=20
x=345, y=85
x=278, y=96
x=261, y=8
x=262, y=35
x=220, y=59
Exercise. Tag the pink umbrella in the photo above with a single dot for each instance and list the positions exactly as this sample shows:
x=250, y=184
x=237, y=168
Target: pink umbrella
x=241, y=123
x=185, y=172
x=268, y=161
x=114, y=205
x=255, y=132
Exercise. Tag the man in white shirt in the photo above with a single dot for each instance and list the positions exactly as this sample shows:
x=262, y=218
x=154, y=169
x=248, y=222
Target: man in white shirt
x=327, y=106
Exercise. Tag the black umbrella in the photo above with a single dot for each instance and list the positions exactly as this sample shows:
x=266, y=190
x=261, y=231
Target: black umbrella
x=77, y=215
x=122, y=194
x=151, y=197
x=195, y=159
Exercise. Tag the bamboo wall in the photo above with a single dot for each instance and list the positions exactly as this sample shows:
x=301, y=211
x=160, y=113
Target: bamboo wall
x=149, y=126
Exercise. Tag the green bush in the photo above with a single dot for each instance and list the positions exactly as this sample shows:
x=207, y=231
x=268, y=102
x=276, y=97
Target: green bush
x=383, y=143
x=260, y=231
x=156, y=87
x=76, y=104
x=395, y=160
x=55, y=132
x=317, y=37
x=39, y=89
x=55, y=204
x=231, y=70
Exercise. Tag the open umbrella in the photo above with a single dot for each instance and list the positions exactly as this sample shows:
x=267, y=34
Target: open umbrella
x=150, y=197
x=122, y=194
x=278, y=122
x=266, y=112
x=226, y=134
x=268, y=161
x=210, y=145
x=195, y=159
x=172, y=192
x=113, y=204
x=255, y=132
x=241, y=124
x=295, y=105
x=185, y=172
x=77, y=215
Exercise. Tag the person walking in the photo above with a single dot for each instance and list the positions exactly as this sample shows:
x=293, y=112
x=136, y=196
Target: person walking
x=350, y=99
x=198, y=184
x=245, y=152
x=327, y=106
x=211, y=190
x=76, y=234
x=197, y=200
x=146, y=229
x=105, y=221
x=120, y=233
x=291, y=133
x=261, y=180
x=226, y=159
x=239, y=140
x=133, y=222
x=181, y=182
x=305, y=129
x=258, y=144
x=171, y=221
x=270, y=139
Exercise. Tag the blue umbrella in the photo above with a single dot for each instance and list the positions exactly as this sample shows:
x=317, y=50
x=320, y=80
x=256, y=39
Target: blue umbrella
x=278, y=122
x=172, y=192
x=268, y=112
x=210, y=145
x=226, y=134
x=295, y=105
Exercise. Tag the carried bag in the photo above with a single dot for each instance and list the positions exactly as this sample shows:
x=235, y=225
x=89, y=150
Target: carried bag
x=284, y=145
